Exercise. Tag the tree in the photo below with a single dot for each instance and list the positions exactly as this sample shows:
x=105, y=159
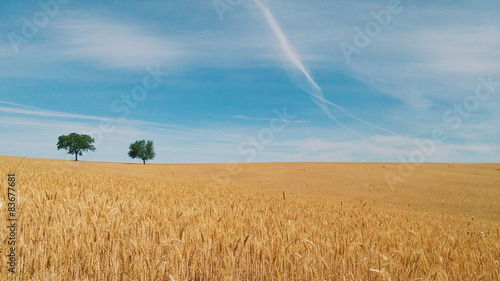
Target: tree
x=143, y=150
x=76, y=144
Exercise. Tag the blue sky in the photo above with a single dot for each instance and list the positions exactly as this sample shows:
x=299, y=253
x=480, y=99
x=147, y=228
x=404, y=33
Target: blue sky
x=253, y=81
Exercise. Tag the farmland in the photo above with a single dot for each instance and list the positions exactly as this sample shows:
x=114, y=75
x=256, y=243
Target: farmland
x=267, y=221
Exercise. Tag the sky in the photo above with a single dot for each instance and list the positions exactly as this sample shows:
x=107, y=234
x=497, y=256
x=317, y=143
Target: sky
x=253, y=80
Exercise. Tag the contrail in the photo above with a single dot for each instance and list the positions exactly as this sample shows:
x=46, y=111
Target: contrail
x=25, y=106
x=316, y=92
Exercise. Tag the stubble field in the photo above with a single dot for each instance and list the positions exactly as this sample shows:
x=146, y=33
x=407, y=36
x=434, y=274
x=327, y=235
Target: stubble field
x=269, y=221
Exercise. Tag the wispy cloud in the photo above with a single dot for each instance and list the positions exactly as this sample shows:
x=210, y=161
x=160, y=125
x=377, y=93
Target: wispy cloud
x=33, y=112
x=117, y=45
x=385, y=149
x=419, y=61
x=265, y=119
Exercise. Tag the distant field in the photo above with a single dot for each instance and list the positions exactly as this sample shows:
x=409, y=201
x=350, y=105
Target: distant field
x=268, y=221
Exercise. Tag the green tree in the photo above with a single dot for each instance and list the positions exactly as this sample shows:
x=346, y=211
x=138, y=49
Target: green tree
x=76, y=144
x=143, y=150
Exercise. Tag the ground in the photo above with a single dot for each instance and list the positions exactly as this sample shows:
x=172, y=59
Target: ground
x=264, y=221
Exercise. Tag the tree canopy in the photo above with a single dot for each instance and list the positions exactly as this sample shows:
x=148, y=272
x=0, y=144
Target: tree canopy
x=76, y=144
x=142, y=150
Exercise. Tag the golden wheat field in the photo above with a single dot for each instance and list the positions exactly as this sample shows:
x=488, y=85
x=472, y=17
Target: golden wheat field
x=269, y=221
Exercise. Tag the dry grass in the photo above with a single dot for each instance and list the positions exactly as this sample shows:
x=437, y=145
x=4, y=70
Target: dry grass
x=304, y=221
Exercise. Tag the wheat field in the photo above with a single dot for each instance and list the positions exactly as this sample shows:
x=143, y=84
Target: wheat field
x=272, y=221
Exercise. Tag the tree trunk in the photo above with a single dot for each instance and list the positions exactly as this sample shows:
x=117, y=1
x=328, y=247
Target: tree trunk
x=76, y=156
x=144, y=161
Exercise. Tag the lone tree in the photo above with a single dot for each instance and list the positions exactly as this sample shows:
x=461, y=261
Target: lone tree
x=76, y=144
x=143, y=150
